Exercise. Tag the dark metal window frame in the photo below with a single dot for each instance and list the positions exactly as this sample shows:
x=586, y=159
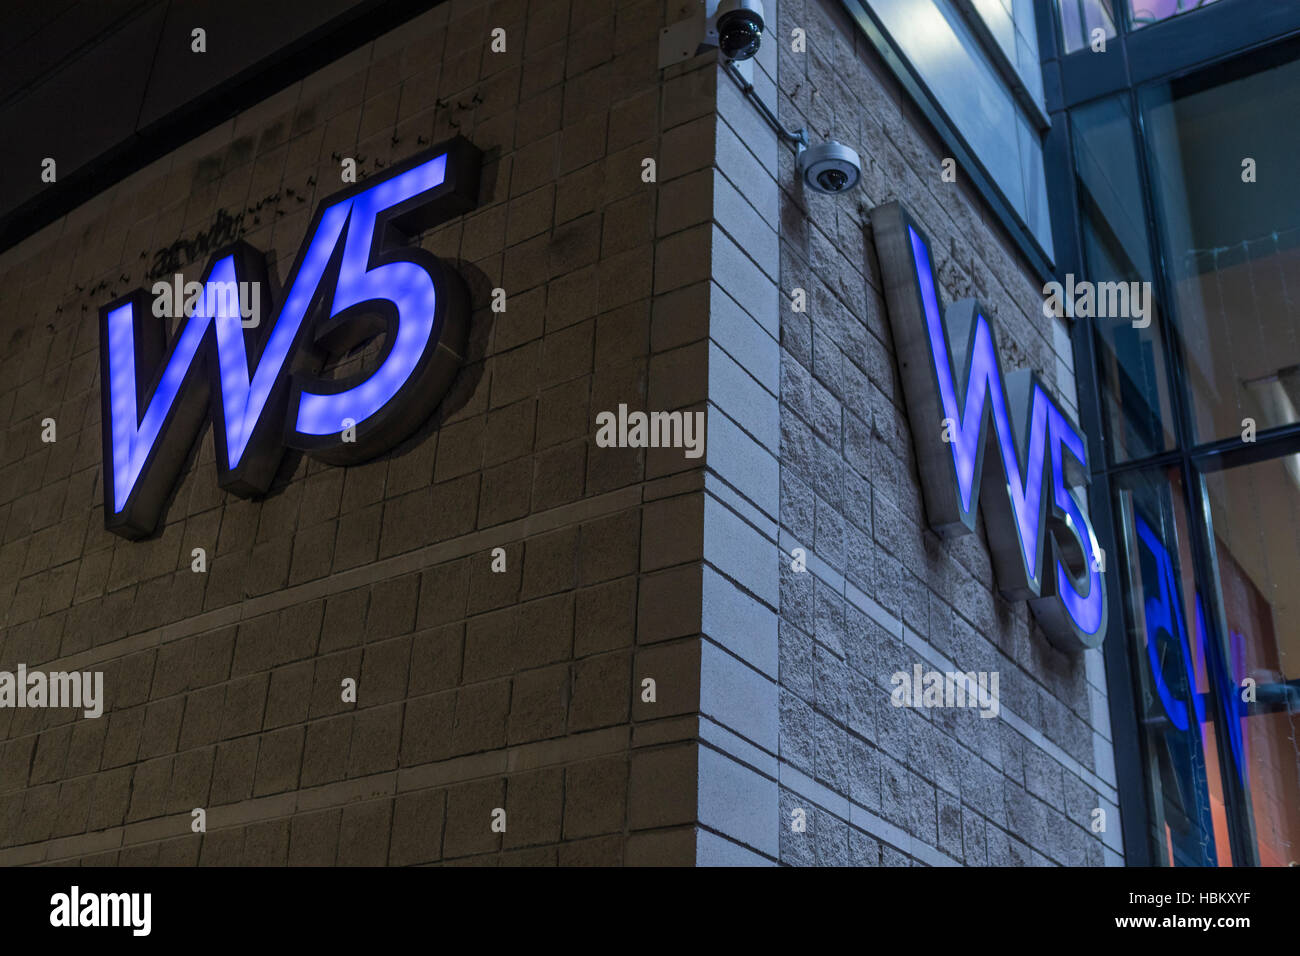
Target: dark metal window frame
x=1156, y=54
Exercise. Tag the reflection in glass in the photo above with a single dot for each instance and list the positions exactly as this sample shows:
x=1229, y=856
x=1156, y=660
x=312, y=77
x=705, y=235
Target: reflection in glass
x=1145, y=12
x=1014, y=29
x=1255, y=512
x=1134, y=384
x=1223, y=172
x=1080, y=18
x=1177, y=674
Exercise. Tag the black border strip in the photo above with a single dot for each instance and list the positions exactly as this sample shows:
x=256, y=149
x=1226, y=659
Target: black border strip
x=362, y=24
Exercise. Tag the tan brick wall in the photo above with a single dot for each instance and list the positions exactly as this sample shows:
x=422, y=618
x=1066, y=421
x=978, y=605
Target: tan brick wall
x=475, y=690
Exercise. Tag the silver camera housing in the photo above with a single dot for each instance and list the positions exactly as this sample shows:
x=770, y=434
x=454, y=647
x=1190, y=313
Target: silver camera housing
x=737, y=28
x=830, y=168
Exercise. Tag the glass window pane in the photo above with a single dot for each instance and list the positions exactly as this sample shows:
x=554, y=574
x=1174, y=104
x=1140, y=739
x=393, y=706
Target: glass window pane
x=997, y=15
x=1079, y=18
x=1037, y=215
x=1145, y=12
x=1177, y=682
x=1228, y=200
x=1015, y=31
x=1029, y=66
x=939, y=43
x=1132, y=378
x=1256, y=517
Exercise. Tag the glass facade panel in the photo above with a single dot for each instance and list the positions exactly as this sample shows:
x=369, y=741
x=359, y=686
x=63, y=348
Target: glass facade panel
x=1027, y=63
x=1037, y=214
x=1080, y=18
x=1256, y=518
x=1133, y=380
x=1228, y=210
x=1145, y=12
x=1013, y=27
x=997, y=16
x=940, y=45
x=1176, y=682
x=1204, y=207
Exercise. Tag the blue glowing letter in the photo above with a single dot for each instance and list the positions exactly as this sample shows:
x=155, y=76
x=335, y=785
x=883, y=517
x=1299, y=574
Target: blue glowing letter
x=261, y=387
x=957, y=402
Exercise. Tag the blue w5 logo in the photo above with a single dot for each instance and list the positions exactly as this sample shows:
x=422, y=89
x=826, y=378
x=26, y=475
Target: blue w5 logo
x=353, y=278
x=1002, y=443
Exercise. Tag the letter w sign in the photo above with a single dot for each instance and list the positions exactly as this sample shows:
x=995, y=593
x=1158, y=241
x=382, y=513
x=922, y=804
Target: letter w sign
x=1042, y=545
x=263, y=388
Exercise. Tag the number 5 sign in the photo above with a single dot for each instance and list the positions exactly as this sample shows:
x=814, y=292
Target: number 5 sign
x=354, y=277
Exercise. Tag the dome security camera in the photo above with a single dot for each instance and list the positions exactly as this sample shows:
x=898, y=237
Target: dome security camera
x=739, y=28
x=829, y=167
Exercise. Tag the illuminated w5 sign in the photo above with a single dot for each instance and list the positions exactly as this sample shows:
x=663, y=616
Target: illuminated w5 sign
x=353, y=278
x=1043, y=548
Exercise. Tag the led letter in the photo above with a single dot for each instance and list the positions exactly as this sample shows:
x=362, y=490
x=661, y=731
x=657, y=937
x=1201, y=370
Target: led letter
x=1043, y=547
x=260, y=386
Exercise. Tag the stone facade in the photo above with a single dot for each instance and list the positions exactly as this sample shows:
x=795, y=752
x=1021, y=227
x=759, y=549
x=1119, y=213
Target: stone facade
x=523, y=690
x=889, y=784
x=810, y=449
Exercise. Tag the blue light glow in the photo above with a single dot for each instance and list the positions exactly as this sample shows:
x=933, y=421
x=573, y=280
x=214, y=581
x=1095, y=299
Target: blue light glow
x=1048, y=428
x=1086, y=609
x=406, y=284
x=1162, y=610
x=244, y=396
x=134, y=436
x=243, y=401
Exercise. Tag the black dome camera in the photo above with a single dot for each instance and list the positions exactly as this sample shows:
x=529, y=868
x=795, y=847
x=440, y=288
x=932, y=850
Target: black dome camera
x=739, y=28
